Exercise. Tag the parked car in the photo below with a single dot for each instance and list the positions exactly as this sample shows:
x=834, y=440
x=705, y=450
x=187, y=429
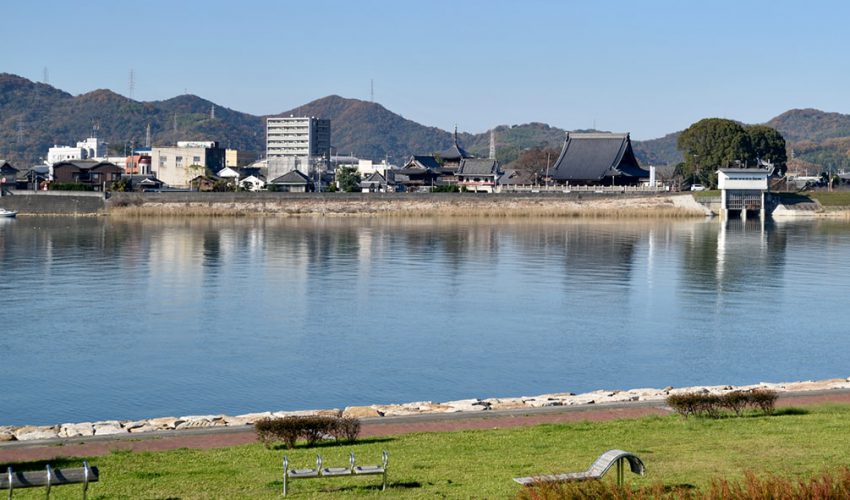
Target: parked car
x=697, y=187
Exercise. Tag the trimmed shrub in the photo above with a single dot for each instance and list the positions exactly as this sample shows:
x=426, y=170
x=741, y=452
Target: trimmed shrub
x=69, y=186
x=312, y=429
x=736, y=401
x=346, y=429
x=702, y=404
x=763, y=399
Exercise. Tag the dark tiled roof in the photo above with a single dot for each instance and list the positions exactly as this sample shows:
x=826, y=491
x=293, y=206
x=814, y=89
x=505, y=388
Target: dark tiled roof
x=592, y=157
x=454, y=153
x=478, y=166
x=292, y=177
x=428, y=162
x=86, y=164
x=517, y=177
x=6, y=165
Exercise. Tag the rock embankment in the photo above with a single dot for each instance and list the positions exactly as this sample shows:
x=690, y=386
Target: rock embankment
x=118, y=427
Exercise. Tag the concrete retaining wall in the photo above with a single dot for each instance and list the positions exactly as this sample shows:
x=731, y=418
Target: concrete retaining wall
x=53, y=202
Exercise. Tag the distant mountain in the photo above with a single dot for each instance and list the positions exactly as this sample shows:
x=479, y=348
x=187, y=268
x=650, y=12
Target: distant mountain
x=34, y=116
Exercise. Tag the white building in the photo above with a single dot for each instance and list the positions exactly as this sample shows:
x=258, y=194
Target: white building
x=742, y=190
x=177, y=166
x=89, y=149
x=297, y=143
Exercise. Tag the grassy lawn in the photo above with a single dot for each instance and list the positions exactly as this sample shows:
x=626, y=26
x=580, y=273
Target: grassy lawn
x=831, y=199
x=480, y=464
x=708, y=193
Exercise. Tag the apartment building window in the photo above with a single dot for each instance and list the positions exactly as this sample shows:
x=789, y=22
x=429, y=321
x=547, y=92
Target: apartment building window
x=162, y=161
x=196, y=160
x=179, y=161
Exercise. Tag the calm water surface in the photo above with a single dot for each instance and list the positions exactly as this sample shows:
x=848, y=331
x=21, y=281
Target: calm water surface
x=130, y=319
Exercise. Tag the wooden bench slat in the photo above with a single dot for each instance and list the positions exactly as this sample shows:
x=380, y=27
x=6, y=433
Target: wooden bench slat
x=35, y=478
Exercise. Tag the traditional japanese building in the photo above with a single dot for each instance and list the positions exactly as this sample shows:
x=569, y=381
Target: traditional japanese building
x=601, y=159
x=478, y=174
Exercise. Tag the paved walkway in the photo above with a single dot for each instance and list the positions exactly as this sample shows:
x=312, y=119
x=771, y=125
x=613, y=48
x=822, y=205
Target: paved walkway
x=17, y=452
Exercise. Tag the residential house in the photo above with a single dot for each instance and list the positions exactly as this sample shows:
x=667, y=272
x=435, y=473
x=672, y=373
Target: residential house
x=253, y=183
x=478, y=175
x=377, y=183
x=8, y=175
x=97, y=174
x=293, y=182
x=137, y=182
x=178, y=166
x=597, y=159
x=33, y=178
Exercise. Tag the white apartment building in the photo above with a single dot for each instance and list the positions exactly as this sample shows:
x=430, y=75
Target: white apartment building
x=177, y=166
x=297, y=143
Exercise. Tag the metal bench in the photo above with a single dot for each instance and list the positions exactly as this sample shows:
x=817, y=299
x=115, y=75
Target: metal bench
x=352, y=470
x=48, y=478
x=597, y=469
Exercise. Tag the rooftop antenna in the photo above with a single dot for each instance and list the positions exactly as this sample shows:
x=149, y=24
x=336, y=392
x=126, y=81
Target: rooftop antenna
x=148, y=135
x=132, y=83
x=492, y=144
x=372, y=90
x=455, y=134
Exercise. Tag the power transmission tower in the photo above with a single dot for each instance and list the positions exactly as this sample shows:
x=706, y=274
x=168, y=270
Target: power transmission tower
x=372, y=90
x=148, y=135
x=45, y=76
x=212, y=111
x=20, y=131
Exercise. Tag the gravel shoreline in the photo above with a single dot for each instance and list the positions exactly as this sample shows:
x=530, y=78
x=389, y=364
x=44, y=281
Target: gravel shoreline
x=388, y=413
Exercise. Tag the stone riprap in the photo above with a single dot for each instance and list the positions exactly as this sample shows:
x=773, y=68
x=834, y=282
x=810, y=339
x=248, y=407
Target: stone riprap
x=118, y=427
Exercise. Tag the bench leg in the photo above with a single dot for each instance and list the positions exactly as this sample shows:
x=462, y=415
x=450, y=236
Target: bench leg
x=384, y=480
x=620, y=472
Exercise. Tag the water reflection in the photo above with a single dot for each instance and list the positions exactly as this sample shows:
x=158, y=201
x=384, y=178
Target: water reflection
x=196, y=316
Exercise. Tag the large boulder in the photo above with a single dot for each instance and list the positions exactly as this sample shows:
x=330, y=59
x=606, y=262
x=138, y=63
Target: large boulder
x=34, y=432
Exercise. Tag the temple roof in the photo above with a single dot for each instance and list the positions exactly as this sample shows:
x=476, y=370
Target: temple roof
x=594, y=156
x=478, y=166
x=454, y=152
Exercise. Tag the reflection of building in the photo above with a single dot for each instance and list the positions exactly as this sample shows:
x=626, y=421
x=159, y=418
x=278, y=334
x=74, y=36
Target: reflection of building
x=177, y=166
x=598, y=159
x=742, y=190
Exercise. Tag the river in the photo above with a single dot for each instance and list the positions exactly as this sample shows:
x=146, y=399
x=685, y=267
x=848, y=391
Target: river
x=127, y=319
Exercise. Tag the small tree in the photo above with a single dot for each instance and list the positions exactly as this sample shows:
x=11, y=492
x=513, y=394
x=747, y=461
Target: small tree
x=348, y=179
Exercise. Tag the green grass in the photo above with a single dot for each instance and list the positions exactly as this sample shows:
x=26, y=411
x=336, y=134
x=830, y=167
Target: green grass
x=831, y=199
x=480, y=464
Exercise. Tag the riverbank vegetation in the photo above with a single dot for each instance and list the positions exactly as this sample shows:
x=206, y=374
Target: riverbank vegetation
x=679, y=453
x=449, y=205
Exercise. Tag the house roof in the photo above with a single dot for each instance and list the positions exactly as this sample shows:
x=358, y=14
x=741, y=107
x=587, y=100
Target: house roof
x=421, y=162
x=478, y=166
x=6, y=165
x=594, y=156
x=375, y=178
x=86, y=164
x=293, y=177
x=521, y=177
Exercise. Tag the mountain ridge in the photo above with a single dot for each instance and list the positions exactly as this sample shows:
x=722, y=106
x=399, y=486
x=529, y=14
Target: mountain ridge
x=35, y=116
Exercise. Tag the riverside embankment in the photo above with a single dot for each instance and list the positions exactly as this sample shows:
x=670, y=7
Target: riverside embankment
x=397, y=413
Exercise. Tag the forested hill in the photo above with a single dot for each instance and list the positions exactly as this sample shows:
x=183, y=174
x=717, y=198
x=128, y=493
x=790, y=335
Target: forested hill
x=35, y=116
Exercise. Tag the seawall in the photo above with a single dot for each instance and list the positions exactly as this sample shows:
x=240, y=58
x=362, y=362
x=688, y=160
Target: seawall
x=54, y=202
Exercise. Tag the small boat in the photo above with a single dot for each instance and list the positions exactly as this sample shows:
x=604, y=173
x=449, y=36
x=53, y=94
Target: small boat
x=8, y=213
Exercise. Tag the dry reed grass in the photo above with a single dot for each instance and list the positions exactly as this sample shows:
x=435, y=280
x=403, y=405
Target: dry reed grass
x=631, y=209
x=825, y=486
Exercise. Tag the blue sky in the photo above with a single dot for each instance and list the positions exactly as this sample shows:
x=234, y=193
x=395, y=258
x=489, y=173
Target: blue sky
x=649, y=68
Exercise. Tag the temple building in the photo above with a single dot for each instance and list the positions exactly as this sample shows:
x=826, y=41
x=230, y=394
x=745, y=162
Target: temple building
x=598, y=159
